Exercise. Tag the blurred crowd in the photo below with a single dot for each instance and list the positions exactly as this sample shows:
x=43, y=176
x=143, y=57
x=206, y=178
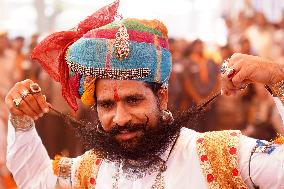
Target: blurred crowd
x=195, y=78
x=16, y=65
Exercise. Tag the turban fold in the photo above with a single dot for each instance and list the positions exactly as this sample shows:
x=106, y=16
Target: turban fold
x=128, y=49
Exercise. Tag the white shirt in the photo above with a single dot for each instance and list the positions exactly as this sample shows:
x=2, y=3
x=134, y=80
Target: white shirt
x=29, y=162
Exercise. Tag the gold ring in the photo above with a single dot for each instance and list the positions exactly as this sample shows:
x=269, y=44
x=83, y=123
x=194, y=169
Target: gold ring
x=17, y=102
x=35, y=88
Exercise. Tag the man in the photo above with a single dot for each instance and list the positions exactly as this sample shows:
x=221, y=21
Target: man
x=122, y=68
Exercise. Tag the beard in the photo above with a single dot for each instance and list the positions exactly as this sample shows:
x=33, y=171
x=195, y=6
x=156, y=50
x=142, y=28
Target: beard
x=140, y=155
x=149, y=143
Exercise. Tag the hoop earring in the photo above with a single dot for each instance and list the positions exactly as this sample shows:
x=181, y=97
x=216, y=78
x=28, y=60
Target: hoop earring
x=100, y=129
x=167, y=117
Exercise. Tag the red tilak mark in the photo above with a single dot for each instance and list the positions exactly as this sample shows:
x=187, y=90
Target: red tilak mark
x=115, y=94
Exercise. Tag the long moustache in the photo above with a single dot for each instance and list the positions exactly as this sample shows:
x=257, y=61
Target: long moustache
x=97, y=138
x=129, y=127
x=79, y=124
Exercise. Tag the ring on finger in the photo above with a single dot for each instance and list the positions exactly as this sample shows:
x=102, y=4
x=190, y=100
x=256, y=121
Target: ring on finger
x=231, y=72
x=225, y=69
x=24, y=93
x=44, y=97
x=225, y=66
x=243, y=86
x=35, y=88
x=17, y=102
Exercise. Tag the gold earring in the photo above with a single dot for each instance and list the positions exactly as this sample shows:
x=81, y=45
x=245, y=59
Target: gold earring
x=167, y=117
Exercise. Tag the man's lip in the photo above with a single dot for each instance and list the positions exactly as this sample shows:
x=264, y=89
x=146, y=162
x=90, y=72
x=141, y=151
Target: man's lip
x=126, y=135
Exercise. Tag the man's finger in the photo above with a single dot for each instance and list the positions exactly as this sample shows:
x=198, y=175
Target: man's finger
x=24, y=107
x=41, y=100
x=29, y=99
x=236, y=65
x=16, y=112
x=239, y=78
x=27, y=83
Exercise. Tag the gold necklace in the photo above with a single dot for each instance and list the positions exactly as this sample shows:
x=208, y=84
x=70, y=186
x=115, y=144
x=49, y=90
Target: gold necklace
x=159, y=180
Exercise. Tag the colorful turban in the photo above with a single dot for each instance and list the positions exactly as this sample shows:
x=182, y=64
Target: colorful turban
x=128, y=49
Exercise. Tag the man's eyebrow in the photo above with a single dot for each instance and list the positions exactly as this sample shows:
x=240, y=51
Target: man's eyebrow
x=139, y=96
x=105, y=101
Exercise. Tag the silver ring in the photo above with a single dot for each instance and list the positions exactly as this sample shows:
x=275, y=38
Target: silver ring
x=17, y=102
x=230, y=71
x=24, y=93
x=224, y=68
x=35, y=88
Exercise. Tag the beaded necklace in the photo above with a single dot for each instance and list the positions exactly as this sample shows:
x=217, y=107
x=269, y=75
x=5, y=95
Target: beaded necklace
x=159, y=180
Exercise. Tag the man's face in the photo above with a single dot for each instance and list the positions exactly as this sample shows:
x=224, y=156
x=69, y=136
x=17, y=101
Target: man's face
x=127, y=104
x=131, y=122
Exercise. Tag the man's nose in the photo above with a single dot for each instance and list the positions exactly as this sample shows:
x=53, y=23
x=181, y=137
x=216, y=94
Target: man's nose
x=122, y=116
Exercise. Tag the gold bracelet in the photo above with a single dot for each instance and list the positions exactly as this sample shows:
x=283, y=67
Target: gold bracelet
x=277, y=90
x=22, y=123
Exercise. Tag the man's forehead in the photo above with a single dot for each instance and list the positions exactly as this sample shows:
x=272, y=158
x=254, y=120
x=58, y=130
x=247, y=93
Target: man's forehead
x=105, y=88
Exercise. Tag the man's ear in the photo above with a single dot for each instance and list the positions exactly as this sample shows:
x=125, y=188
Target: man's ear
x=163, y=98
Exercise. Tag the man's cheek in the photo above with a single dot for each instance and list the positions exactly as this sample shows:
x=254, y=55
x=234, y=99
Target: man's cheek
x=153, y=119
x=105, y=121
x=143, y=113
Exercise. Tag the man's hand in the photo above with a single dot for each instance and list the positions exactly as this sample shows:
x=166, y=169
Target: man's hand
x=25, y=98
x=250, y=69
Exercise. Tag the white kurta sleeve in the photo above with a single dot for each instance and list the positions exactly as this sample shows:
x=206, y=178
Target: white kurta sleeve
x=266, y=166
x=266, y=170
x=280, y=107
x=28, y=161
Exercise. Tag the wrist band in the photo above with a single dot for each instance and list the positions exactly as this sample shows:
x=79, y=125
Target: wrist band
x=22, y=123
x=277, y=90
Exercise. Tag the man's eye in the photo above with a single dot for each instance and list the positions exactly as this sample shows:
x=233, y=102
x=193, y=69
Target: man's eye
x=106, y=105
x=133, y=100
